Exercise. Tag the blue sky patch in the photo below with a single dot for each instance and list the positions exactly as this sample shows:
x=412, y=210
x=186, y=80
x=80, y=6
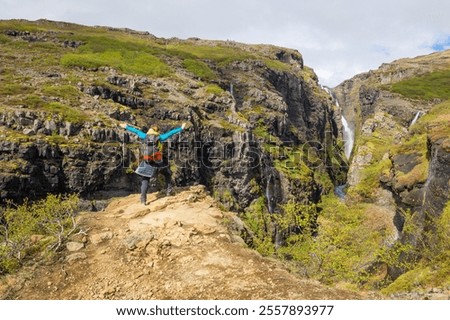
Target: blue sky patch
x=441, y=45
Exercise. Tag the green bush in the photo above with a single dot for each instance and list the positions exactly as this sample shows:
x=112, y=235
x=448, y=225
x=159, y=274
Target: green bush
x=259, y=222
x=4, y=39
x=341, y=248
x=28, y=228
x=297, y=220
x=32, y=101
x=433, y=268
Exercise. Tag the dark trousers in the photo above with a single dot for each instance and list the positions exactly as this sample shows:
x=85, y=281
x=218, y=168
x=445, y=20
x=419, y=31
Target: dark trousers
x=153, y=181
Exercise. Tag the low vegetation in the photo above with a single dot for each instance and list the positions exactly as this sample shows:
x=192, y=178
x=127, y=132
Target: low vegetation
x=432, y=269
x=434, y=85
x=376, y=146
x=435, y=123
x=130, y=63
x=333, y=242
x=199, y=69
x=35, y=228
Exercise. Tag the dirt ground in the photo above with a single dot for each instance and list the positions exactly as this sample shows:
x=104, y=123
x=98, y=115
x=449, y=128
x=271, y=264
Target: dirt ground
x=177, y=247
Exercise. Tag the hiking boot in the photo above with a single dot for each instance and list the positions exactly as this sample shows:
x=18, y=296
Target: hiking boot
x=169, y=191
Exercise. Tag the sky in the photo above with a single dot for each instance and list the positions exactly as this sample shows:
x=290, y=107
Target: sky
x=337, y=38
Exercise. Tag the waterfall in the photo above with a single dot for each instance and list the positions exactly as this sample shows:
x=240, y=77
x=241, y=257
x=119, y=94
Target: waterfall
x=269, y=194
x=327, y=90
x=278, y=237
x=333, y=97
x=233, y=104
x=349, y=137
x=418, y=114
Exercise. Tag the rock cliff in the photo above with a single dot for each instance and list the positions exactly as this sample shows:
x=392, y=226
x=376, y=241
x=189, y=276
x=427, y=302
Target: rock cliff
x=251, y=108
x=401, y=157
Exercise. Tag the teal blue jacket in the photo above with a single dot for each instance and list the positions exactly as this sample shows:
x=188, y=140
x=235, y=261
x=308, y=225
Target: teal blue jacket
x=162, y=137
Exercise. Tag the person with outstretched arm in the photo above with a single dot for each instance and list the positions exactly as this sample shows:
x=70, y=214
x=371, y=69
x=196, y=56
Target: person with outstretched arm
x=153, y=162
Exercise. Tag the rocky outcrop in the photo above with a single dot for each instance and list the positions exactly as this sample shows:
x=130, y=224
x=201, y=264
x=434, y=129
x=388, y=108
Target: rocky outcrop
x=437, y=188
x=127, y=100
x=40, y=168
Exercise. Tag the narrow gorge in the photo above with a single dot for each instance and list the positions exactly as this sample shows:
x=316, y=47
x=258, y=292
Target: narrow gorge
x=343, y=185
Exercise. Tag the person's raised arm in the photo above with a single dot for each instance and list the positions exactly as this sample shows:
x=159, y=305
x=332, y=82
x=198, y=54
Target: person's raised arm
x=164, y=136
x=134, y=130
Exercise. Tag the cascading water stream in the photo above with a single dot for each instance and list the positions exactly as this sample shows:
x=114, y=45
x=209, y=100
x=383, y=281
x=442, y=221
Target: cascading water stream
x=349, y=137
x=418, y=115
x=349, y=140
x=269, y=194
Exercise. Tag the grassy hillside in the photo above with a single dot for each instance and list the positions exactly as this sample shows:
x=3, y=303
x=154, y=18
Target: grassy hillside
x=45, y=65
x=433, y=85
x=130, y=52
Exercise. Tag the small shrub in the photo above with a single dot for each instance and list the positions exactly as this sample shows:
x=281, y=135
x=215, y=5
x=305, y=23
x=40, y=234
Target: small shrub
x=341, y=248
x=433, y=268
x=297, y=220
x=50, y=220
x=33, y=101
x=258, y=221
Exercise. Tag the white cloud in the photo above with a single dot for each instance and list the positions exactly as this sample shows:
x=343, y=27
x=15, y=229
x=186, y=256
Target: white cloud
x=337, y=38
